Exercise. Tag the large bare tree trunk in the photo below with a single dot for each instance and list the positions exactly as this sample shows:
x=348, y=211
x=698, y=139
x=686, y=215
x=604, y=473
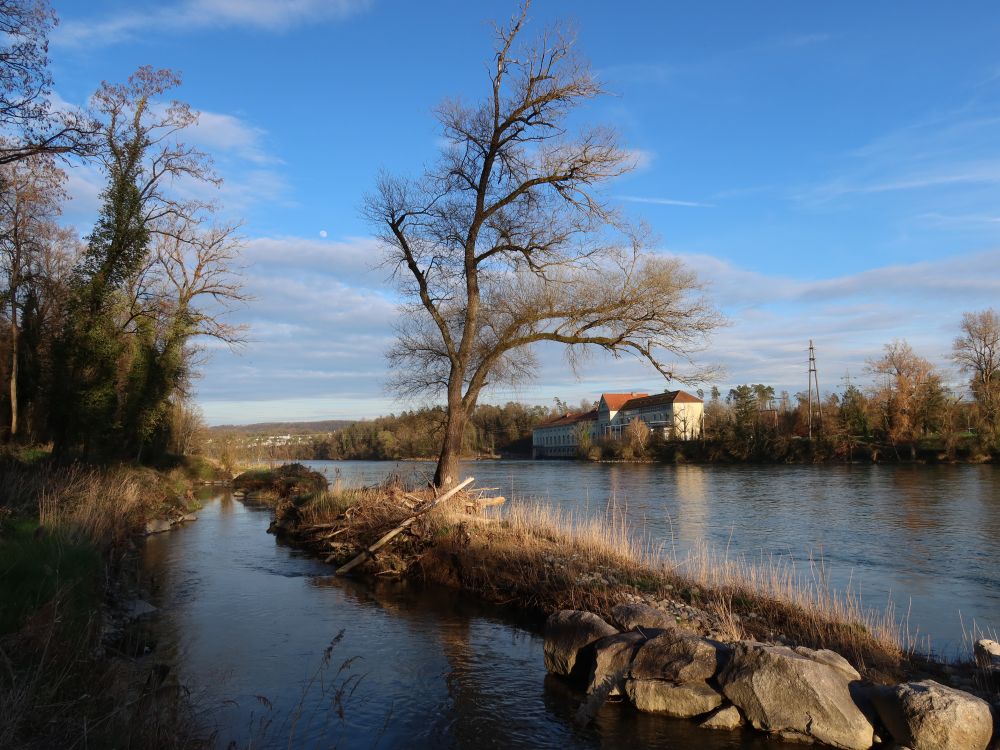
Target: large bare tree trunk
x=446, y=475
x=14, y=356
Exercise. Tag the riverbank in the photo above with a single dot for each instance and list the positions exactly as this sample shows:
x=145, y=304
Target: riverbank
x=533, y=559
x=69, y=536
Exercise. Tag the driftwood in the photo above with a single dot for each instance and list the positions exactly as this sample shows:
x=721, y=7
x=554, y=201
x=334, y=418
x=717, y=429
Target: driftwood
x=475, y=506
x=390, y=535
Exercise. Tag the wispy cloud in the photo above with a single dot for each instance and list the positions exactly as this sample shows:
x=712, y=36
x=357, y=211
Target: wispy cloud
x=196, y=15
x=954, y=150
x=663, y=201
x=641, y=158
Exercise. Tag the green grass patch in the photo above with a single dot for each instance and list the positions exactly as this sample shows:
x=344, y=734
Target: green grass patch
x=36, y=565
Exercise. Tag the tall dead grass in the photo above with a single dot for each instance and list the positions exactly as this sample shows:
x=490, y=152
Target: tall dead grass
x=100, y=506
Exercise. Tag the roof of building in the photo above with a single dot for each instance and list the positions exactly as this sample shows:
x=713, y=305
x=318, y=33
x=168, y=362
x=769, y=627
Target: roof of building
x=670, y=397
x=568, y=419
x=616, y=401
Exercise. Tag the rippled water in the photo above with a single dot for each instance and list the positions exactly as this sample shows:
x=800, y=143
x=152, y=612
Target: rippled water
x=925, y=537
x=245, y=622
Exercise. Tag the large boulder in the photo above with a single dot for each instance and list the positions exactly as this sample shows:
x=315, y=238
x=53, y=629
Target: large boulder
x=786, y=692
x=612, y=656
x=679, y=657
x=630, y=616
x=567, y=632
x=681, y=701
x=929, y=716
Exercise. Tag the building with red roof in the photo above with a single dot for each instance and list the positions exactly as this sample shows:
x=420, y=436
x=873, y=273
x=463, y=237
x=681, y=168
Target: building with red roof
x=675, y=414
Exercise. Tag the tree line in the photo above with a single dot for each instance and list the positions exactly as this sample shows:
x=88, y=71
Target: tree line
x=906, y=412
x=97, y=347
x=491, y=431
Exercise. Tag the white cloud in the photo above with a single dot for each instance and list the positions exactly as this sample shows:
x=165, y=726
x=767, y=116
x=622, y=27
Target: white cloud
x=216, y=132
x=662, y=201
x=194, y=15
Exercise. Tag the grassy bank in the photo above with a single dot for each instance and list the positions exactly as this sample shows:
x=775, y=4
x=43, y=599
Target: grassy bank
x=538, y=560
x=67, y=550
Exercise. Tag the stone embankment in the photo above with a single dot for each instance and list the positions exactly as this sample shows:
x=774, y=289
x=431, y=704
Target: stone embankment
x=795, y=693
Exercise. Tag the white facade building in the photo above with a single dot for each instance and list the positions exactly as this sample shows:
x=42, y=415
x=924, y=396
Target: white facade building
x=675, y=414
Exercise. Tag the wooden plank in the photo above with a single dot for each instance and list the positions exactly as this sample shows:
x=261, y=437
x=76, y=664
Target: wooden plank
x=390, y=535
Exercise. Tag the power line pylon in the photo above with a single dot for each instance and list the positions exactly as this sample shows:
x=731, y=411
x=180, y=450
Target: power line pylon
x=814, y=382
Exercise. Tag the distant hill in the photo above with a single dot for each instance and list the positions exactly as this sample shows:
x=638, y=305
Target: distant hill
x=285, y=428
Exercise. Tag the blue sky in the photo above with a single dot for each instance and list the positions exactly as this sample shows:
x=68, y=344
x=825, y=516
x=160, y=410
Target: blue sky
x=832, y=171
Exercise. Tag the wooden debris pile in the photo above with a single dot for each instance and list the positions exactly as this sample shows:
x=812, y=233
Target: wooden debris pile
x=385, y=524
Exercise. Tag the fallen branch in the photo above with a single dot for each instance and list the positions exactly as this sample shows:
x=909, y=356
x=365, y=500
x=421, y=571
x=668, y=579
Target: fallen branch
x=390, y=535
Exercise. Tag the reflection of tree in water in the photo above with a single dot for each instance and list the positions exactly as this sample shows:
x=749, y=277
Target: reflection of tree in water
x=692, y=505
x=920, y=506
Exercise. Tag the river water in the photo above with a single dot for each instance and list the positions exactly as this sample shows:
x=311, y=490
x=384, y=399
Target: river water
x=245, y=621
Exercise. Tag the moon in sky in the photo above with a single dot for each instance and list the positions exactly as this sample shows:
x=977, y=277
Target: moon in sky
x=322, y=233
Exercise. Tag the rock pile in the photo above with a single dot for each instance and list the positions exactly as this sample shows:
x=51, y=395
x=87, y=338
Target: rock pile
x=795, y=693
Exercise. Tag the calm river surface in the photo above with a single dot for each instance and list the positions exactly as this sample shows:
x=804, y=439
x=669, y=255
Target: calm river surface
x=245, y=621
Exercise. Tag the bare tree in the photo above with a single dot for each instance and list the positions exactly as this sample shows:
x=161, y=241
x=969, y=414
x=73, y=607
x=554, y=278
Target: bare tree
x=908, y=395
x=637, y=436
x=506, y=242
x=977, y=353
x=31, y=192
x=27, y=117
x=199, y=277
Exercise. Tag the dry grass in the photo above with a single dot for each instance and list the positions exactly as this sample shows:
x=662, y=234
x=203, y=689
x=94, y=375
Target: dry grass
x=101, y=506
x=60, y=552
x=55, y=691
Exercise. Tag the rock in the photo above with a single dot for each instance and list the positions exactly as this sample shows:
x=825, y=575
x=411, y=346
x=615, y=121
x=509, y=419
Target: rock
x=792, y=694
x=566, y=633
x=987, y=653
x=187, y=518
x=929, y=716
x=612, y=656
x=725, y=718
x=679, y=657
x=632, y=616
x=681, y=701
x=157, y=526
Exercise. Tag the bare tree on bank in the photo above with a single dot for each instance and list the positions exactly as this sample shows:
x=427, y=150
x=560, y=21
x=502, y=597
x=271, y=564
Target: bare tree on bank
x=977, y=353
x=505, y=243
